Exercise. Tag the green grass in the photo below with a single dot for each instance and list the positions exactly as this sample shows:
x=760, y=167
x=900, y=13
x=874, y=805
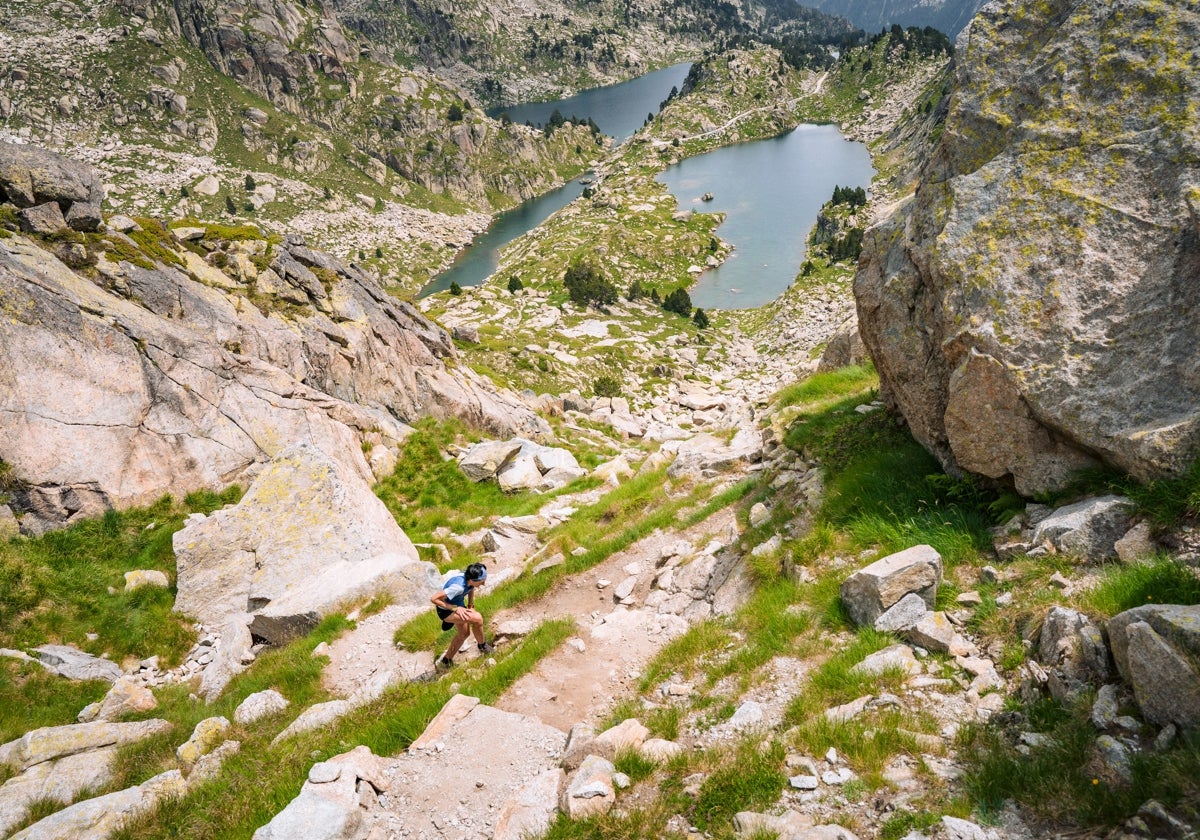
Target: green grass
x=833, y=682
x=55, y=588
x=621, y=517
x=1160, y=581
x=426, y=491
x=749, y=779
x=860, y=380
x=1059, y=782
x=32, y=697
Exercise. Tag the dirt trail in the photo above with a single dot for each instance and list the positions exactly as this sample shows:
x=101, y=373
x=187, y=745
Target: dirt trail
x=581, y=680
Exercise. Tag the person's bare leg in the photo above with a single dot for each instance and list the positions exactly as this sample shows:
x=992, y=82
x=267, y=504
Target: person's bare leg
x=461, y=632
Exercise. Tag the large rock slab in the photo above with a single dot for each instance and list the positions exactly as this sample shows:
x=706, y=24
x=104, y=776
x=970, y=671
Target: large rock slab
x=869, y=592
x=74, y=664
x=52, y=742
x=31, y=175
x=335, y=801
x=97, y=819
x=309, y=536
x=1156, y=649
x=62, y=780
x=1024, y=309
x=114, y=393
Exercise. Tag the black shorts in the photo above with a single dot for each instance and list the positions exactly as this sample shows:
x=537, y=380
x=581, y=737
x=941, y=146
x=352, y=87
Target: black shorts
x=442, y=613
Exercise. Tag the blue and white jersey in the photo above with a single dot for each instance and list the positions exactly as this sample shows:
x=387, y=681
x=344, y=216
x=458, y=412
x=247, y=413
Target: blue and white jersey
x=455, y=590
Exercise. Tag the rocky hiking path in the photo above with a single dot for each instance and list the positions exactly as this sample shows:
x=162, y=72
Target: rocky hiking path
x=581, y=680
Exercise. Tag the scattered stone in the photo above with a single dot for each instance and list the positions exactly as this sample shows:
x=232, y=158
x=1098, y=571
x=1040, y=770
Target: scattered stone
x=1155, y=648
x=658, y=749
x=42, y=220
x=259, y=705
x=1136, y=544
x=127, y=695
x=969, y=599
x=872, y=590
x=627, y=736
x=72, y=663
x=1089, y=529
x=935, y=632
x=804, y=782
x=208, y=185
x=1114, y=758
x=145, y=577
x=895, y=657
x=207, y=735
x=590, y=791
x=848, y=711
x=1105, y=708
x=902, y=615
x=749, y=715
x=759, y=514
x=1057, y=580
x=955, y=829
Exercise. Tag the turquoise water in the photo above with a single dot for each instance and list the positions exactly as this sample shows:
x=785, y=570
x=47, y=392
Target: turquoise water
x=619, y=110
x=771, y=191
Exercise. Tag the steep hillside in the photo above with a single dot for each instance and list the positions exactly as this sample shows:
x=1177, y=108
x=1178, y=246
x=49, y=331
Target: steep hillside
x=948, y=16
x=139, y=360
x=1032, y=311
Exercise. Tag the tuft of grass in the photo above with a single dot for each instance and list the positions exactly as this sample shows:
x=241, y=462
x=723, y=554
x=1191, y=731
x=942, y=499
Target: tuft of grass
x=834, y=683
x=750, y=779
x=860, y=380
x=634, y=765
x=1058, y=782
x=427, y=491
x=1160, y=581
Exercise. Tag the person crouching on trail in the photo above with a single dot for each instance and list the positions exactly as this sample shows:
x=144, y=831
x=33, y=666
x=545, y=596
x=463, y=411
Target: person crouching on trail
x=455, y=604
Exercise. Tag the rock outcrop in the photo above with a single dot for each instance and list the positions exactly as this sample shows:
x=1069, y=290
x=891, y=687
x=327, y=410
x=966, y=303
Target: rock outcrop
x=33, y=177
x=308, y=536
x=1032, y=310
x=124, y=382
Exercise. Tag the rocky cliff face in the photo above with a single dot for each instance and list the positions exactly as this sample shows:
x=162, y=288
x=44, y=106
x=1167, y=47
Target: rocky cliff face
x=170, y=361
x=1034, y=308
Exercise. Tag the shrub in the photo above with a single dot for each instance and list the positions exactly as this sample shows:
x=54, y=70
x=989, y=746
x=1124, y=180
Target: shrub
x=514, y=284
x=455, y=289
x=606, y=386
x=251, y=185
x=679, y=302
x=636, y=290
x=455, y=113
x=700, y=318
x=586, y=283
x=230, y=207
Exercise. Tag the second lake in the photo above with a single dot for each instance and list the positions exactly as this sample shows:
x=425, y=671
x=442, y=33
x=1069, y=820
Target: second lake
x=770, y=191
